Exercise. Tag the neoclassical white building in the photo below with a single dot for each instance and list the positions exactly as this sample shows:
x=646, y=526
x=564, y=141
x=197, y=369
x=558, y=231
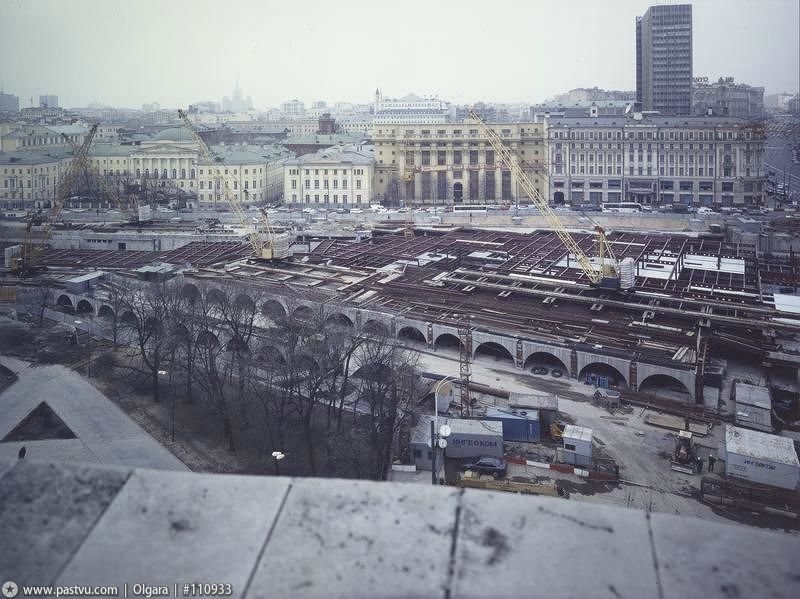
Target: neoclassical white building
x=339, y=176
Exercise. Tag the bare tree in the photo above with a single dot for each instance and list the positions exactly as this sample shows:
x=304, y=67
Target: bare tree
x=388, y=387
x=44, y=299
x=151, y=306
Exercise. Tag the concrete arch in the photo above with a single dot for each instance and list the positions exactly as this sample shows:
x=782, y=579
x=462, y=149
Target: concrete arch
x=375, y=327
x=207, y=339
x=616, y=378
x=303, y=312
x=542, y=358
x=273, y=309
x=447, y=340
x=65, y=301
x=215, y=297
x=337, y=319
x=245, y=302
x=106, y=311
x=411, y=333
x=84, y=307
x=494, y=350
x=665, y=385
x=190, y=292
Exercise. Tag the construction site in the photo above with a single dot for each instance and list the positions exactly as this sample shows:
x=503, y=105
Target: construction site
x=669, y=321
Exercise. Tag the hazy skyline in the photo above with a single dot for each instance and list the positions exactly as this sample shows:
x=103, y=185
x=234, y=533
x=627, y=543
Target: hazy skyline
x=177, y=52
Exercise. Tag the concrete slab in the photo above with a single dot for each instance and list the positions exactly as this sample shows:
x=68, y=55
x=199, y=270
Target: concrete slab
x=107, y=433
x=50, y=450
x=180, y=527
x=338, y=538
x=561, y=547
x=46, y=512
x=724, y=561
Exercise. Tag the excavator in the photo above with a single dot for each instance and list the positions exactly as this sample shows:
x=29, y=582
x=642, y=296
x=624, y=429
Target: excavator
x=605, y=273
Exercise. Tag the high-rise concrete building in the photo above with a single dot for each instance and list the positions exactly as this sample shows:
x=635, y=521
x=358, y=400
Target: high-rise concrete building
x=48, y=101
x=8, y=102
x=664, y=59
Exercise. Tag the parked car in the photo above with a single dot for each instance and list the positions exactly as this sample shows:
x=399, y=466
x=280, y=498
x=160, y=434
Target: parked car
x=488, y=465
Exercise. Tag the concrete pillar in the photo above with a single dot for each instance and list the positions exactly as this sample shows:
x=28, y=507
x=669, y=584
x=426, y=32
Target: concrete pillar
x=394, y=328
x=518, y=358
x=430, y=335
x=633, y=377
x=498, y=185
x=417, y=186
x=573, y=364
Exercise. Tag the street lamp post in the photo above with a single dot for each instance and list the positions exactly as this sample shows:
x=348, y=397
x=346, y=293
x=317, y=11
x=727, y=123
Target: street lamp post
x=88, y=345
x=438, y=434
x=277, y=456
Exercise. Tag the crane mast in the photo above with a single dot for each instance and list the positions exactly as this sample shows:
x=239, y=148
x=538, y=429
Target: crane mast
x=30, y=252
x=264, y=241
x=605, y=275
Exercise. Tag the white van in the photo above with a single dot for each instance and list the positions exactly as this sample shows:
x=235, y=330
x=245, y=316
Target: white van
x=705, y=210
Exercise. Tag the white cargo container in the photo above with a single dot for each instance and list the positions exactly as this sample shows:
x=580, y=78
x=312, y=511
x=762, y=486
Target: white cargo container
x=577, y=448
x=760, y=457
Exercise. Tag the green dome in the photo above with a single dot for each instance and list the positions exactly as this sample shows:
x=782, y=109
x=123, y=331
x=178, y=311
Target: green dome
x=176, y=134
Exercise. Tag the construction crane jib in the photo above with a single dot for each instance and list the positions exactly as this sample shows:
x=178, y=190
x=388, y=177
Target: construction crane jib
x=267, y=245
x=603, y=275
x=30, y=251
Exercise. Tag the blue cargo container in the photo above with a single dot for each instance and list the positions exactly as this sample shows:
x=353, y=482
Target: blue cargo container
x=518, y=425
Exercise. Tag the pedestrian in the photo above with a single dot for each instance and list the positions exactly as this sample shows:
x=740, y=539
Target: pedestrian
x=699, y=463
x=711, y=461
x=22, y=452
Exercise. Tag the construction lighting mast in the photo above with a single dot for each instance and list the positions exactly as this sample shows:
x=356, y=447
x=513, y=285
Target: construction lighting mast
x=28, y=263
x=267, y=245
x=607, y=273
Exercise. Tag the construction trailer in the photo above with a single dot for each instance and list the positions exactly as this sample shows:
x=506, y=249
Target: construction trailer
x=468, y=439
x=546, y=404
x=577, y=449
x=85, y=283
x=518, y=425
x=760, y=457
x=753, y=406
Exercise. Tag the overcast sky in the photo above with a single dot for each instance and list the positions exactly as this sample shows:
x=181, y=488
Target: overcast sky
x=176, y=52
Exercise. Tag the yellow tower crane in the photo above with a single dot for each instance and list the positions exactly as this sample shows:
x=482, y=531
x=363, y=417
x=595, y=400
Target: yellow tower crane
x=28, y=264
x=606, y=274
x=266, y=243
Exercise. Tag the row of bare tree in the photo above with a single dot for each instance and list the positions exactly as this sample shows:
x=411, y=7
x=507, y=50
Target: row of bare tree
x=273, y=383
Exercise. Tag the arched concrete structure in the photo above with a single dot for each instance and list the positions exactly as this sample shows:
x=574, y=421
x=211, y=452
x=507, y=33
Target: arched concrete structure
x=270, y=354
x=65, y=301
x=664, y=384
x=207, y=339
x=190, y=291
x=106, y=311
x=584, y=359
x=337, y=319
x=214, y=296
x=508, y=343
x=564, y=354
x=84, y=307
x=245, y=302
x=541, y=358
x=616, y=378
x=411, y=333
x=447, y=340
x=273, y=309
x=493, y=350
x=376, y=327
x=687, y=377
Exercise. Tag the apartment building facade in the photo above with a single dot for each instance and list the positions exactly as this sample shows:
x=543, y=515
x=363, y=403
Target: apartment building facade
x=655, y=161
x=454, y=163
x=336, y=177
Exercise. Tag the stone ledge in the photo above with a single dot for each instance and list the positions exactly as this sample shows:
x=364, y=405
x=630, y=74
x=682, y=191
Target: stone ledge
x=282, y=537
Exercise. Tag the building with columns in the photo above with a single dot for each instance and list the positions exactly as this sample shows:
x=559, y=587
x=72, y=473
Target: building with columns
x=656, y=160
x=170, y=163
x=454, y=163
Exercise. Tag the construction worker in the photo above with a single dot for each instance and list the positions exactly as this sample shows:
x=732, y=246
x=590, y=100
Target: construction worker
x=711, y=461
